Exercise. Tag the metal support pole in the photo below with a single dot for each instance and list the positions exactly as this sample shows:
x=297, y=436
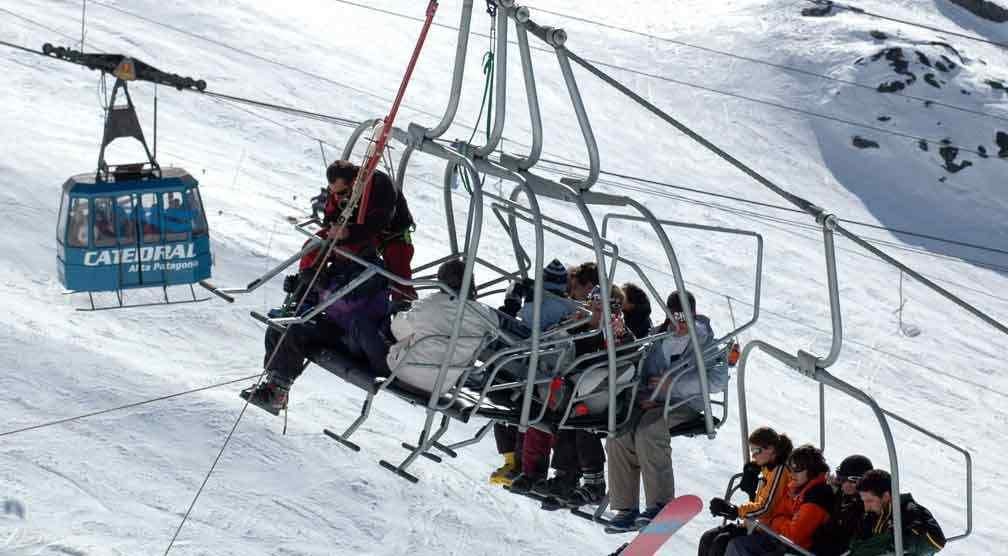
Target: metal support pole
x=500, y=77
x=457, y=74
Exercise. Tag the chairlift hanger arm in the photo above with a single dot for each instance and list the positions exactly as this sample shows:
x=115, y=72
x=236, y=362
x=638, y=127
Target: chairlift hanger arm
x=123, y=67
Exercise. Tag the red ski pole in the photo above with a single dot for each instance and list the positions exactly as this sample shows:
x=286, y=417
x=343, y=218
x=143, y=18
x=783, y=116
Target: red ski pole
x=372, y=162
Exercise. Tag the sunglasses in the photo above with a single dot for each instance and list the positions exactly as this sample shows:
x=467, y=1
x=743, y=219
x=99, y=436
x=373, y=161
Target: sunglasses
x=679, y=316
x=756, y=451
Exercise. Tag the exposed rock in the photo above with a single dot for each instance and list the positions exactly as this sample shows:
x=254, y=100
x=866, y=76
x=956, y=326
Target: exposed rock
x=941, y=67
x=1002, y=142
x=923, y=145
x=983, y=151
x=930, y=78
x=949, y=154
x=922, y=58
x=949, y=48
x=985, y=9
x=878, y=35
x=821, y=11
x=884, y=118
x=862, y=143
x=891, y=87
x=996, y=85
x=965, y=92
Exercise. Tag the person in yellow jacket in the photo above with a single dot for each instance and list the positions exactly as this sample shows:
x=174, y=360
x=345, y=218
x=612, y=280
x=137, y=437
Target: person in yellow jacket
x=765, y=478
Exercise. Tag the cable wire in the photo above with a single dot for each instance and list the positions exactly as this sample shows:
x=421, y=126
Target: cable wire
x=122, y=407
x=769, y=63
x=829, y=3
x=689, y=84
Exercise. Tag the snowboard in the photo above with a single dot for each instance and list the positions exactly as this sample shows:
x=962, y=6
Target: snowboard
x=671, y=518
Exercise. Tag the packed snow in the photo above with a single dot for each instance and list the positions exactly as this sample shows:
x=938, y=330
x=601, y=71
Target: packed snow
x=119, y=483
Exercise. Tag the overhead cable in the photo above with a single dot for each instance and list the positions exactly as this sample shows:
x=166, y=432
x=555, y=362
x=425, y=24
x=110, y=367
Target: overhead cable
x=769, y=63
x=123, y=407
x=820, y=215
x=855, y=9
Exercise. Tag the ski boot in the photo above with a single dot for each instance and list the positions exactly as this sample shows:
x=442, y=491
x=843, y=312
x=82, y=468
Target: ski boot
x=505, y=474
x=270, y=395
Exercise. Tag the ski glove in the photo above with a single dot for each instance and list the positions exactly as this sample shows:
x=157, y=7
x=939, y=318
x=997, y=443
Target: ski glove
x=719, y=507
x=750, y=479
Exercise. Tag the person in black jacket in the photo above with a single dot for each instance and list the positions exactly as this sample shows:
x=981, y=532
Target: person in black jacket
x=922, y=536
x=386, y=226
x=834, y=538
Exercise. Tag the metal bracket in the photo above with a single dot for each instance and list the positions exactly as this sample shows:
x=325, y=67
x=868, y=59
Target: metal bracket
x=807, y=363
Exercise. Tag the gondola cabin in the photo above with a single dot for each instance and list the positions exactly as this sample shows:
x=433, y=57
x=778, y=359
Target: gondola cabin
x=131, y=225
x=141, y=228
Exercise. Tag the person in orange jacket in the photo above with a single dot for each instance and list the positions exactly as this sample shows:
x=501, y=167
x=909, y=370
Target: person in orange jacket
x=809, y=499
x=768, y=503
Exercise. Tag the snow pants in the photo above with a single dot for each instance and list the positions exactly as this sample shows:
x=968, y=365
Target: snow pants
x=644, y=452
x=578, y=452
x=536, y=452
x=756, y=544
x=361, y=339
x=715, y=541
x=508, y=439
x=398, y=255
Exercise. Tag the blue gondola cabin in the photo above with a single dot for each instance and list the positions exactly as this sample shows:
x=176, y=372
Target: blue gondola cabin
x=137, y=230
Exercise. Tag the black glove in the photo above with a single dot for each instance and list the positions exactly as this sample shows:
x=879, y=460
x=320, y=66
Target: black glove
x=290, y=283
x=722, y=508
x=750, y=479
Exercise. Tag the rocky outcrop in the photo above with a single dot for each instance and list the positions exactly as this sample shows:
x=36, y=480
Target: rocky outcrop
x=985, y=9
x=862, y=143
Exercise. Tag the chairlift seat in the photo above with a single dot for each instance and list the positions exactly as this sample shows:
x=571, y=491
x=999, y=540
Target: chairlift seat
x=350, y=369
x=694, y=427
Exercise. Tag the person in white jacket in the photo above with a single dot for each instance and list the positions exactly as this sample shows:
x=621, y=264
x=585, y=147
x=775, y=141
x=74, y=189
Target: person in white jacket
x=423, y=332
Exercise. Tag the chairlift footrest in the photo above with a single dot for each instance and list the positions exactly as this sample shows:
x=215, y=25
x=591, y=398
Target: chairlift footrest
x=341, y=440
x=448, y=451
x=433, y=457
x=400, y=472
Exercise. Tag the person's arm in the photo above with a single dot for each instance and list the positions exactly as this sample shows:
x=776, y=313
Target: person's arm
x=804, y=523
x=772, y=488
x=922, y=535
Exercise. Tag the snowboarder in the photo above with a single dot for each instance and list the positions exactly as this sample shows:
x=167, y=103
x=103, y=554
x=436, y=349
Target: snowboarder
x=645, y=451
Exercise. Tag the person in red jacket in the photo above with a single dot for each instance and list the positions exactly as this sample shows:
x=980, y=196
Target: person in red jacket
x=386, y=226
x=810, y=499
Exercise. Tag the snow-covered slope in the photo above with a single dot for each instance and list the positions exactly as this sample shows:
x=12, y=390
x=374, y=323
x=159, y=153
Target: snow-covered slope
x=119, y=483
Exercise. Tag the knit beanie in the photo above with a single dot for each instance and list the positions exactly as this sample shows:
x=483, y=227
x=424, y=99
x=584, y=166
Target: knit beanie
x=555, y=277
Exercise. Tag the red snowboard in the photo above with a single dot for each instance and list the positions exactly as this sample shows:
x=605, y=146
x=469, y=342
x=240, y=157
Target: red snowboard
x=674, y=515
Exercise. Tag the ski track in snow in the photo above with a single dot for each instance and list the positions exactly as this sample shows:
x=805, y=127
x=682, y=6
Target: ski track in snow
x=120, y=483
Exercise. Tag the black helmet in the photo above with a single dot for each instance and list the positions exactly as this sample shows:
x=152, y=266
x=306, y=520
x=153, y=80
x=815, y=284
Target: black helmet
x=853, y=467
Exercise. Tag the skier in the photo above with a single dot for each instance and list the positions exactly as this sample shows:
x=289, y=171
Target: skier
x=769, y=451
x=386, y=227
x=922, y=536
x=834, y=538
x=352, y=325
x=808, y=505
x=645, y=451
x=554, y=308
x=423, y=331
